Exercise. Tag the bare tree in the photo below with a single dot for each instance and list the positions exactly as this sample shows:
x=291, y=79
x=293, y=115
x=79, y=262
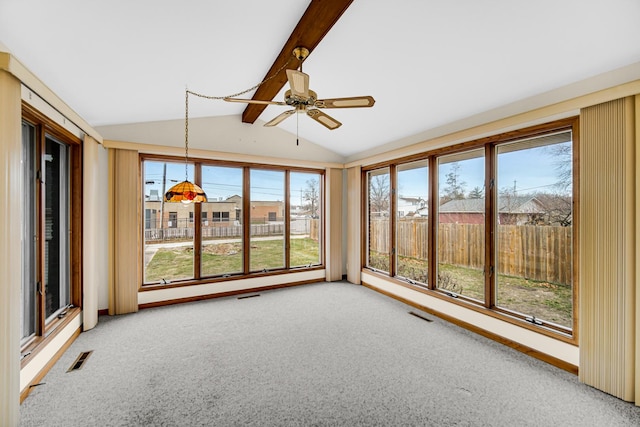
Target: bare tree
x=379, y=200
x=455, y=186
x=559, y=203
x=562, y=155
x=558, y=208
x=311, y=196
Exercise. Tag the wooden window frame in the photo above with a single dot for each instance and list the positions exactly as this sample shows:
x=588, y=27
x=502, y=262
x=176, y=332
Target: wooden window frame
x=246, y=241
x=489, y=144
x=46, y=331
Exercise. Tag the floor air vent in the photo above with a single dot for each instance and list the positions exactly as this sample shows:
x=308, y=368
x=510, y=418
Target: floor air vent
x=249, y=296
x=80, y=361
x=413, y=313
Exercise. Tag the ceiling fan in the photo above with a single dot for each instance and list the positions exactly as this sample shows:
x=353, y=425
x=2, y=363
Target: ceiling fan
x=304, y=100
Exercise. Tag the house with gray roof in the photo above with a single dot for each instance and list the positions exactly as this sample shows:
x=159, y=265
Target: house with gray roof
x=512, y=210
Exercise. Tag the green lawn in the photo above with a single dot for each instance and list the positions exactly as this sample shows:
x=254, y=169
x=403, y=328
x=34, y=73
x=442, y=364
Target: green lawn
x=177, y=263
x=547, y=301
x=170, y=264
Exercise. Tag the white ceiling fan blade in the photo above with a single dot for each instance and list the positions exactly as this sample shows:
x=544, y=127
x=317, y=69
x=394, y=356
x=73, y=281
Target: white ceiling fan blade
x=299, y=83
x=324, y=119
x=254, y=101
x=352, y=102
x=280, y=117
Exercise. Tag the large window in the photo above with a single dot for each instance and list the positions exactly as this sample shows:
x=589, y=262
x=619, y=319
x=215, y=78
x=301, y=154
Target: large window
x=535, y=228
x=50, y=281
x=491, y=225
x=305, y=229
x=412, y=219
x=249, y=224
x=267, y=219
x=378, y=210
x=461, y=224
x=168, y=233
x=221, y=236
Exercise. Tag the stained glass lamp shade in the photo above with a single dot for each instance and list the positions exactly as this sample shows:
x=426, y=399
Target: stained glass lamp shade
x=185, y=192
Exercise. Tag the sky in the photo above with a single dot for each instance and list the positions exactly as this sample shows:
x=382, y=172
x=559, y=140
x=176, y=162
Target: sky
x=529, y=170
x=219, y=182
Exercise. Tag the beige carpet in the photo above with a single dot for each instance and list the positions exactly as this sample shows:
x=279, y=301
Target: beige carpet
x=330, y=354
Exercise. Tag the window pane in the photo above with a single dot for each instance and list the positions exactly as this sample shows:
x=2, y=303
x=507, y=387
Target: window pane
x=534, y=250
x=56, y=241
x=412, y=221
x=304, y=226
x=29, y=232
x=267, y=219
x=221, y=221
x=461, y=216
x=379, y=209
x=168, y=234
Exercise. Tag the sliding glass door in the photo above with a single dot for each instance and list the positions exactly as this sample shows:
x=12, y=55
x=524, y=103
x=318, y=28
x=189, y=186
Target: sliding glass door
x=46, y=229
x=56, y=226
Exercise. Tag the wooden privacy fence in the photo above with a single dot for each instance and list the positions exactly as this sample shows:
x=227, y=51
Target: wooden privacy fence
x=535, y=252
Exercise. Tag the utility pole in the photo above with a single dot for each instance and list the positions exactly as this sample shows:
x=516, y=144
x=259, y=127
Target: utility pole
x=164, y=183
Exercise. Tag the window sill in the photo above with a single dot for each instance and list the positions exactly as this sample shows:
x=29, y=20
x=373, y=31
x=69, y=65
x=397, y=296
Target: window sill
x=495, y=313
x=36, y=344
x=222, y=279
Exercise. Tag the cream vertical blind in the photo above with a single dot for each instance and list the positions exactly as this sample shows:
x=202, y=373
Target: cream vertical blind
x=354, y=237
x=90, y=194
x=607, y=248
x=125, y=240
x=10, y=243
x=333, y=251
x=637, y=260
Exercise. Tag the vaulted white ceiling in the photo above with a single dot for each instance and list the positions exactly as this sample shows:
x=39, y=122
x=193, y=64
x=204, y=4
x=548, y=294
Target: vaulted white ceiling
x=427, y=63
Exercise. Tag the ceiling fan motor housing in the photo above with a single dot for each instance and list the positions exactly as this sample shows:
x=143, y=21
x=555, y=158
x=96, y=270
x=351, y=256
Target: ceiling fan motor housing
x=295, y=100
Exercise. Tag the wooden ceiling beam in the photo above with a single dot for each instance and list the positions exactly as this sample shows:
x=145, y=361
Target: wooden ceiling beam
x=315, y=23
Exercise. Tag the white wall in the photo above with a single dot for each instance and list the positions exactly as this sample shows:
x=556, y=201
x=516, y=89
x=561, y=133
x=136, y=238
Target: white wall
x=224, y=134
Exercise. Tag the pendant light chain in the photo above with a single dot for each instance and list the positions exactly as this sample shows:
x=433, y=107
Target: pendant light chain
x=187, y=192
x=247, y=90
x=186, y=134
x=186, y=110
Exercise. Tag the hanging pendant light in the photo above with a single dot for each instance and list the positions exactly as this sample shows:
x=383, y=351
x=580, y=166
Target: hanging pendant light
x=185, y=191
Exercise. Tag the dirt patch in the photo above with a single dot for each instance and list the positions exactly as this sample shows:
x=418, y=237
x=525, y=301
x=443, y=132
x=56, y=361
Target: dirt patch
x=223, y=249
